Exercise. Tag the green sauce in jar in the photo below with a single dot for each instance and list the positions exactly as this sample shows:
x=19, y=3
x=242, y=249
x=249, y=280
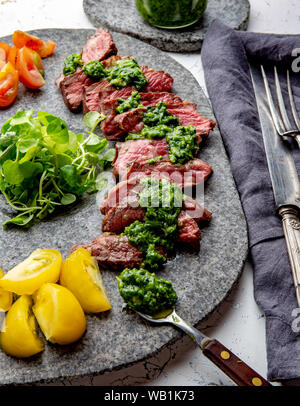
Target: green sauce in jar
x=171, y=13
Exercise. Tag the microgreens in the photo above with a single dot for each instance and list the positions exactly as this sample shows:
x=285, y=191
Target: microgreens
x=43, y=165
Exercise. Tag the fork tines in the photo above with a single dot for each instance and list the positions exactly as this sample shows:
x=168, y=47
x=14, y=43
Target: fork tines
x=280, y=119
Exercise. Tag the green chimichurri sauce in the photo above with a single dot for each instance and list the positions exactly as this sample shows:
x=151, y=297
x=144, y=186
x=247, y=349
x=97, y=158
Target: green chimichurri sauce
x=159, y=123
x=127, y=72
x=154, y=160
x=159, y=115
x=162, y=202
x=95, y=70
x=159, y=131
x=183, y=144
x=171, y=13
x=132, y=102
x=71, y=63
x=145, y=292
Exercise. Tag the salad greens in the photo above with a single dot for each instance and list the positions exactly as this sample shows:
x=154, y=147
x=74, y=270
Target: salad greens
x=43, y=165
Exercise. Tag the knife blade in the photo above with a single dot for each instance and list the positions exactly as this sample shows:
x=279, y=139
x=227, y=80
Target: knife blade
x=283, y=174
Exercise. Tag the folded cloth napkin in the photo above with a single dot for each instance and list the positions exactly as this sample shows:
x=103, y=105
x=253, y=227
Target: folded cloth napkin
x=225, y=56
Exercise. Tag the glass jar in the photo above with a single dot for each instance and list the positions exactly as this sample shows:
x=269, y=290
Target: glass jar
x=171, y=13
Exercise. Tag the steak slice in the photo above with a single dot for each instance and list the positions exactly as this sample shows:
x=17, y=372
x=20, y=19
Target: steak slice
x=102, y=92
x=151, y=99
x=138, y=151
x=131, y=121
x=113, y=252
x=94, y=93
x=110, y=126
x=111, y=61
x=125, y=195
x=188, y=231
x=187, y=115
x=190, y=174
x=72, y=88
x=158, y=80
x=98, y=47
x=119, y=217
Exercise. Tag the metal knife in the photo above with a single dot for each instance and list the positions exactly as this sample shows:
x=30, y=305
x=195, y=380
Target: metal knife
x=284, y=177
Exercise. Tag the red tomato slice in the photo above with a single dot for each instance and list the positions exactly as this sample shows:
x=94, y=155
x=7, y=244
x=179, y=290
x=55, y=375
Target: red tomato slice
x=4, y=50
x=29, y=67
x=48, y=48
x=9, y=82
x=2, y=55
x=22, y=39
x=12, y=55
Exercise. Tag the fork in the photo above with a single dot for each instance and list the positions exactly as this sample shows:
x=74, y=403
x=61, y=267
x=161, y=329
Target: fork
x=221, y=356
x=281, y=121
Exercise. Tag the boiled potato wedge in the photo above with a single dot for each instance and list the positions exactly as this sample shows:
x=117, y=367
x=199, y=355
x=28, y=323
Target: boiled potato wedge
x=59, y=314
x=6, y=298
x=18, y=335
x=81, y=275
x=42, y=265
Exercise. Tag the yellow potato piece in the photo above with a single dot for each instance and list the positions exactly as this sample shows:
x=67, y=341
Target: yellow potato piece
x=59, y=314
x=81, y=275
x=18, y=335
x=6, y=298
x=42, y=265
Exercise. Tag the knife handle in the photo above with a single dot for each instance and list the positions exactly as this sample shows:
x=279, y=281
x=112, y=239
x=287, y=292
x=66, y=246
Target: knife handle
x=291, y=228
x=231, y=365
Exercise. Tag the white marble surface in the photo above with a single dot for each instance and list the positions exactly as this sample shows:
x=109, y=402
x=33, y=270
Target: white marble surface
x=238, y=322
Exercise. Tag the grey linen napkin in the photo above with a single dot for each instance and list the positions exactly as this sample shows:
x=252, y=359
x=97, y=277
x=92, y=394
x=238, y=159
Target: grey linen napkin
x=225, y=56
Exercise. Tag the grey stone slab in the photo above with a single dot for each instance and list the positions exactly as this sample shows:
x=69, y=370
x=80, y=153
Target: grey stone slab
x=123, y=17
x=118, y=338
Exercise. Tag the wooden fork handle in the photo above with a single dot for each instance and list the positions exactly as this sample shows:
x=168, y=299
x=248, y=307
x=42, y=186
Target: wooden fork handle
x=231, y=365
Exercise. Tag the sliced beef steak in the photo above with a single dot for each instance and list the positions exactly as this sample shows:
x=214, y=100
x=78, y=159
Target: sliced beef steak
x=187, y=175
x=102, y=92
x=91, y=97
x=98, y=47
x=72, y=88
x=111, y=61
x=131, y=121
x=113, y=252
x=137, y=151
x=110, y=126
x=158, y=80
x=119, y=217
x=188, y=231
x=187, y=115
x=125, y=195
x=150, y=99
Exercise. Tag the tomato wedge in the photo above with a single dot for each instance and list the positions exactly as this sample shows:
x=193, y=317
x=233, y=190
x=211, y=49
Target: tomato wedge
x=9, y=82
x=12, y=55
x=22, y=39
x=2, y=55
x=4, y=47
x=29, y=66
x=48, y=48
